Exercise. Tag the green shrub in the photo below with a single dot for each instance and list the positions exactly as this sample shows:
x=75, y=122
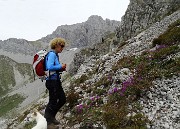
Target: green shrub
x=170, y=37
x=116, y=110
x=30, y=125
x=82, y=79
x=23, y=116
x=163, y=53
x=72, y=98
x=99, y=92
x=114, y=115
x=103, y=81
x=126, y=62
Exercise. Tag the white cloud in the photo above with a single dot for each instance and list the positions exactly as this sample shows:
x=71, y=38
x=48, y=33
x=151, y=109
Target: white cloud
x=33, y=19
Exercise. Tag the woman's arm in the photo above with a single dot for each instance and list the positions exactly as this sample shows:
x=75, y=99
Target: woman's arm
x=52, y=63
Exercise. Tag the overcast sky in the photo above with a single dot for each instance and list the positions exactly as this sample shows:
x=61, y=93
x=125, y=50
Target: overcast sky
x=33, y=19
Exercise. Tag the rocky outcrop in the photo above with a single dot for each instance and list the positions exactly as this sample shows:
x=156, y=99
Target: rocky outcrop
x=92, y=52
x=141, y=14
x=84, y=34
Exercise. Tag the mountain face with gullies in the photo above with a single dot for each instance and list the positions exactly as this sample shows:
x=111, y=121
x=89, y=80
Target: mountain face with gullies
x=84, y=34
x=13, y=74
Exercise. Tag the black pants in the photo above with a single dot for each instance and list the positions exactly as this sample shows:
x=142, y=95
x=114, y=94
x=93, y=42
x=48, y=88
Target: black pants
x=57, y=99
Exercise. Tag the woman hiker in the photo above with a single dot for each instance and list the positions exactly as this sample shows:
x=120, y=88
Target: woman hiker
x=57, y=96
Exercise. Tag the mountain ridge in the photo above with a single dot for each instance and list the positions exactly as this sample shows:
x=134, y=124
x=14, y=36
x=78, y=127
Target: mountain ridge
x=85, y=33
x=75, y=34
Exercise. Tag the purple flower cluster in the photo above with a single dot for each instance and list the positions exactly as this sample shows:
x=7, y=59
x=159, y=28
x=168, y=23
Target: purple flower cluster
x=160, y=47
x=150, y=57
x=126, y=84
x=93, y=98
x=80, y=107
x=140, y=78
x=109, y=77
x=114, y=90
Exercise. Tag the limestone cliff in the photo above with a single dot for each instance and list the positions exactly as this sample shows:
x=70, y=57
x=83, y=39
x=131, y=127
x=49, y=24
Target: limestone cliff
x=141, y=14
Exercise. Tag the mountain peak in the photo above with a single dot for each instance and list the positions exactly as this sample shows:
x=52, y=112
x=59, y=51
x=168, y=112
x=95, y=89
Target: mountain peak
x=85, y=33
x=95, y=17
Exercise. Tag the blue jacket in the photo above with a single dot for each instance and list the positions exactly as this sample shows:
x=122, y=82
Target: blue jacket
x=52, y=65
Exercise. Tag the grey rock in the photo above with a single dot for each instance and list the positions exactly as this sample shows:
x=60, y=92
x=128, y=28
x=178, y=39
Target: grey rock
x=163, y=111
x=166, y=126
x=83, y=34
x=141, y=14
x=170, y=97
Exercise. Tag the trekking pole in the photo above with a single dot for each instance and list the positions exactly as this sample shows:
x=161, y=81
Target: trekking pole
x=34, y=75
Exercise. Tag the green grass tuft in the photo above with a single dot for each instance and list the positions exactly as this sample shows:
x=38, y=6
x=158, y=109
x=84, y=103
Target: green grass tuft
x=170, y=37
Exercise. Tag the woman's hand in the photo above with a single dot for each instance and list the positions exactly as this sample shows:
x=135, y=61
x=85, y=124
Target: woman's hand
x=63, y=67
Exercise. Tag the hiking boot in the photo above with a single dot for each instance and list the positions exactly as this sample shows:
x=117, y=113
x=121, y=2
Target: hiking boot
x=52, y=126
x=54, y=121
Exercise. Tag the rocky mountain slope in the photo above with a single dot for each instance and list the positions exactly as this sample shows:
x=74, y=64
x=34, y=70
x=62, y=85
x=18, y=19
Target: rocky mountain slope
x=84, y=34
x=135, y=85
x=129, y=84
x=97, y=50
x=141, y=14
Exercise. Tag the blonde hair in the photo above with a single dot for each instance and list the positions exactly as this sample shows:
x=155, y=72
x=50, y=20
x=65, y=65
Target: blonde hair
x=57, y=41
